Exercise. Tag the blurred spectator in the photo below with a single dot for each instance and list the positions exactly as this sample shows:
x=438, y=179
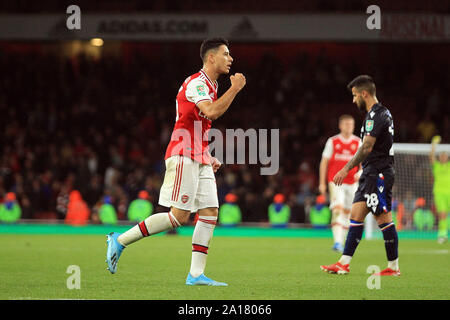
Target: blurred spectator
x=229, y=212
x=77, y=210
x=320, y=214
x=423, y=218
x=94, y=190
x=279, y=212
x=398, y=214
x=10, y=210
x=62, y=201
x=408, y=206
x=140, y=208
x=107, y=213
x=427, y=129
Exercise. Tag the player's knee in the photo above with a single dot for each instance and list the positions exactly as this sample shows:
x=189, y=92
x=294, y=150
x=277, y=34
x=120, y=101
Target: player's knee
x=184, y=219
x=212, y=212
x=182, y=216
x=337, y=209
x=359, y=211
x=383, y=218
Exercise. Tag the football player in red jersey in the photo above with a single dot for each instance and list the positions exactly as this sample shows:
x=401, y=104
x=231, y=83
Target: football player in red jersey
x=339, y=149
x=189, y=183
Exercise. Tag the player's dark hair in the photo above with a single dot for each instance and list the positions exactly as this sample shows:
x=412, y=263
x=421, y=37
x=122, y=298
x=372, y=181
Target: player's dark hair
x=213, y=43
x=363, y=82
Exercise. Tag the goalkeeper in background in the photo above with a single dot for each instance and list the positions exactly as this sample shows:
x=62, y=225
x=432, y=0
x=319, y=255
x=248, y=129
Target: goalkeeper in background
x=441, y=188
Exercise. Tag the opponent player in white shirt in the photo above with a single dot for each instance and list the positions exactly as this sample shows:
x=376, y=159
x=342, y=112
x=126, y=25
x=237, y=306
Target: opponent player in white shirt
x=189, y=183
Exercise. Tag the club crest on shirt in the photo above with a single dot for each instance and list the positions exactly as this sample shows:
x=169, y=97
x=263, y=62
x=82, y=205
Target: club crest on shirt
x=369, y=125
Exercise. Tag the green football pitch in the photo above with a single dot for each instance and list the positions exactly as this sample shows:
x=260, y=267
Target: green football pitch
x=37, y=266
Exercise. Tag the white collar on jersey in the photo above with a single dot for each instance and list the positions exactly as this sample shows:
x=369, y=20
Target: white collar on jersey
x=346, y=140
x=213, y=84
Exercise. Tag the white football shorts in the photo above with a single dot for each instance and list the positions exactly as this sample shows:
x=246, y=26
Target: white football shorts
x=342, y=196
x=188, y=185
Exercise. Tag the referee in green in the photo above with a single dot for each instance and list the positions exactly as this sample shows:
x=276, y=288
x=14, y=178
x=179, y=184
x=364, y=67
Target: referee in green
x=441, y=188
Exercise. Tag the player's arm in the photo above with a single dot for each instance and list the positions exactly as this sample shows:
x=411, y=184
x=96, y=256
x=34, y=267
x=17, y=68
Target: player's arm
x=362, y=153
x=360, y=170
x=359, y=173
x=432, y=155
x=323, y=167
x=213, y=110
x=434, y=141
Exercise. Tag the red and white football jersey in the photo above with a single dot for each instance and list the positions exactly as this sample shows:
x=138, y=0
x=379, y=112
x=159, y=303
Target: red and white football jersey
x=190, y=133
x=339, y=151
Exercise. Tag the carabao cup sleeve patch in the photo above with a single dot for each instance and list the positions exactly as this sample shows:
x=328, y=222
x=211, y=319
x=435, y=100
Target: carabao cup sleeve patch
x=369, y=125
x=201, y=90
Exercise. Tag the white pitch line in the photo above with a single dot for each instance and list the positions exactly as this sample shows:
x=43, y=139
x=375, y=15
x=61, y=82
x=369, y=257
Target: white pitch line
x=438, y=251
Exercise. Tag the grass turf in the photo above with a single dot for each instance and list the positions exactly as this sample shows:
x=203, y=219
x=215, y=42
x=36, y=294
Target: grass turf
x=34, y=267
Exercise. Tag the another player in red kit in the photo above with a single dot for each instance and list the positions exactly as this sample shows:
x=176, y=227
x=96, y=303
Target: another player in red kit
x=189, y=183
x=339, y=149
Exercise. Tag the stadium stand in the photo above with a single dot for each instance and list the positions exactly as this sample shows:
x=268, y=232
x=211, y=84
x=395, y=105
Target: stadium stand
x=101, y=126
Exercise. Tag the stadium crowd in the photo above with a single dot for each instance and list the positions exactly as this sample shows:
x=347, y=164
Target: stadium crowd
x=101, y=126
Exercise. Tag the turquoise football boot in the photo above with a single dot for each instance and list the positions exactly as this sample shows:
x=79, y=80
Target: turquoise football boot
x=113, y=252
x=338, y=247
x=202, y=280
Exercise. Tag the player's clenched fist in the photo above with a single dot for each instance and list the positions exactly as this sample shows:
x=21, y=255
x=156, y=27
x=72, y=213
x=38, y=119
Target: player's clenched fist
x=237, y=81
x=215, y=163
